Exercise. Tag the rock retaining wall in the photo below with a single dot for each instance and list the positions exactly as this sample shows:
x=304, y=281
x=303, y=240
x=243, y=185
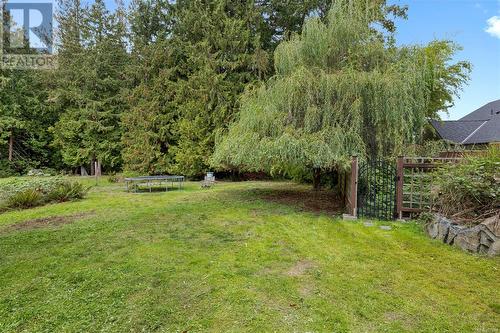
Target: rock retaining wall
x=482, y=238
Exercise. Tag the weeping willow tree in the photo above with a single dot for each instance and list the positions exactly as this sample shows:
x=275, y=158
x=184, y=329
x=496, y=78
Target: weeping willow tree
x=341, y=88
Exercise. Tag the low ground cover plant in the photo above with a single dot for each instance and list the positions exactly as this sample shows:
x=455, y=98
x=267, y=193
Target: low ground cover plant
x=469, y=191
x=20, y=193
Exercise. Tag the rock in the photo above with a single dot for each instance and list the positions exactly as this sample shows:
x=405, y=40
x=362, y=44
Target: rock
x=452, y=233
x=368, y=224
x=494, y=249
x=432, y=229
x=469, y=239
x=492, y=224
x=385, y=227
x=482, y=238
x=35, y=172
x=439, y=228
x=443, y=228
x=485, y=238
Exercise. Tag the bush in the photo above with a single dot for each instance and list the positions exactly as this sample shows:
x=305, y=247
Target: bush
x=41, y=172
x=471, y=189
x=7, y=169
x=42, y=184
x=30, y=192
x=67, y=191
x=114, y=179
x=25, y=199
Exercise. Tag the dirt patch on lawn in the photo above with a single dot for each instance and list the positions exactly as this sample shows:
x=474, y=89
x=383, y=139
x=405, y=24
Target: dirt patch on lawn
x=308, y=200
x=300, y=268
x=51, y=221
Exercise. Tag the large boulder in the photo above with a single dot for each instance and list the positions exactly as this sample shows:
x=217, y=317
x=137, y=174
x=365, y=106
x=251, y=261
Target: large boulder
x=494, y=249
x=469, y=239
x=492, y=225
x=454, y=230
x=438, y=228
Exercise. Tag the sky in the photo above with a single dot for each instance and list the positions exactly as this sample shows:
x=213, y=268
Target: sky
x=475, y=25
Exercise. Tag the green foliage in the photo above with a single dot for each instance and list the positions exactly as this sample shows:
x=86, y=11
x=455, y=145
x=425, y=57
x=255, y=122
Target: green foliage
x=67, y=191
x=149, y=124
x=41, y=184
x=192, y=61
x=114, y=178
x=24, y=120
x=89, y=84
x=24, y=199
x=445, y=79
x=470, y=189
x=7, y=169
x=150, y=89
x=24, y=115
x=190, y=87
x=339, y=90
x=432, y=148
x=29, y=192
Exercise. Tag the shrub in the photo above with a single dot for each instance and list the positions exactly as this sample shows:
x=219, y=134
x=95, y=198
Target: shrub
x=114, y=179
x=42, y=184
x=29, y=192
x=25, y=199
x=470, y=189
x=67, y=191
x=7, y=169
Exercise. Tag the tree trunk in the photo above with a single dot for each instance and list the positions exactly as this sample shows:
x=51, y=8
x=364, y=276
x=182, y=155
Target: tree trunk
x=316, y=178
x=98, y=168
x=11, y=145
x=92, y=167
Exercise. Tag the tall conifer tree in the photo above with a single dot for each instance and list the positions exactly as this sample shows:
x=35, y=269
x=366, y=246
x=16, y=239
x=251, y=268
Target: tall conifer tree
x=90, y=82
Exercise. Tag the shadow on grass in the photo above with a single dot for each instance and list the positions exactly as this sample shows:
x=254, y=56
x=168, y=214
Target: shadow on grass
x=309, y=200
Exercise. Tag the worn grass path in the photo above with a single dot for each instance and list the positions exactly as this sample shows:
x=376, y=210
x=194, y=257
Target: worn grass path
x=228, y=260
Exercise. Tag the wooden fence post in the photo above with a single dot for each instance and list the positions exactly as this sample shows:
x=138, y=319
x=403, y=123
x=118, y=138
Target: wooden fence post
x=399, y=187
x=354, y=186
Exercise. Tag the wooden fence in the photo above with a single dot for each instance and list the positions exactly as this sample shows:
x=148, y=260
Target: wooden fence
x=414, y=184
x=351, y=188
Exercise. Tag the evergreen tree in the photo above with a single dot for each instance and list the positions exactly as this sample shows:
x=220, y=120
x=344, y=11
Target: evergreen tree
x=150, y=120
x=221, y=42
x=23, y=120
x=90, y=84
x=193, y=72
x=24, y=117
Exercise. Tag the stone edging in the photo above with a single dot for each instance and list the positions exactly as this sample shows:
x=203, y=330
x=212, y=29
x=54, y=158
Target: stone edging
x=482, y=238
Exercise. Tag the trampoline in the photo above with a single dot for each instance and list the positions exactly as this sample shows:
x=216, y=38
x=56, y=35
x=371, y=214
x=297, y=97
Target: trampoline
x=150, y=182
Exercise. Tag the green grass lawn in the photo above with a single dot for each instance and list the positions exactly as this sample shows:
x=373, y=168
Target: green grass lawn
x=233, y=258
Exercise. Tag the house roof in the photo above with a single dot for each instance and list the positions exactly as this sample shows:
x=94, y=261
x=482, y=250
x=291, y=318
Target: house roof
x=479, y=126
x=485, y=112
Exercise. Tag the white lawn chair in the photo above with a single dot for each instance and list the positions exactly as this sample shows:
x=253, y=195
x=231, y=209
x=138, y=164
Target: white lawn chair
x=208, y=181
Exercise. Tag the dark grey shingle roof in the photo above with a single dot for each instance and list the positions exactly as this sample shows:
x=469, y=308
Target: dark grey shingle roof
x=489, y=132
x=455, y=130
x=480, y=126
x=484, y=112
